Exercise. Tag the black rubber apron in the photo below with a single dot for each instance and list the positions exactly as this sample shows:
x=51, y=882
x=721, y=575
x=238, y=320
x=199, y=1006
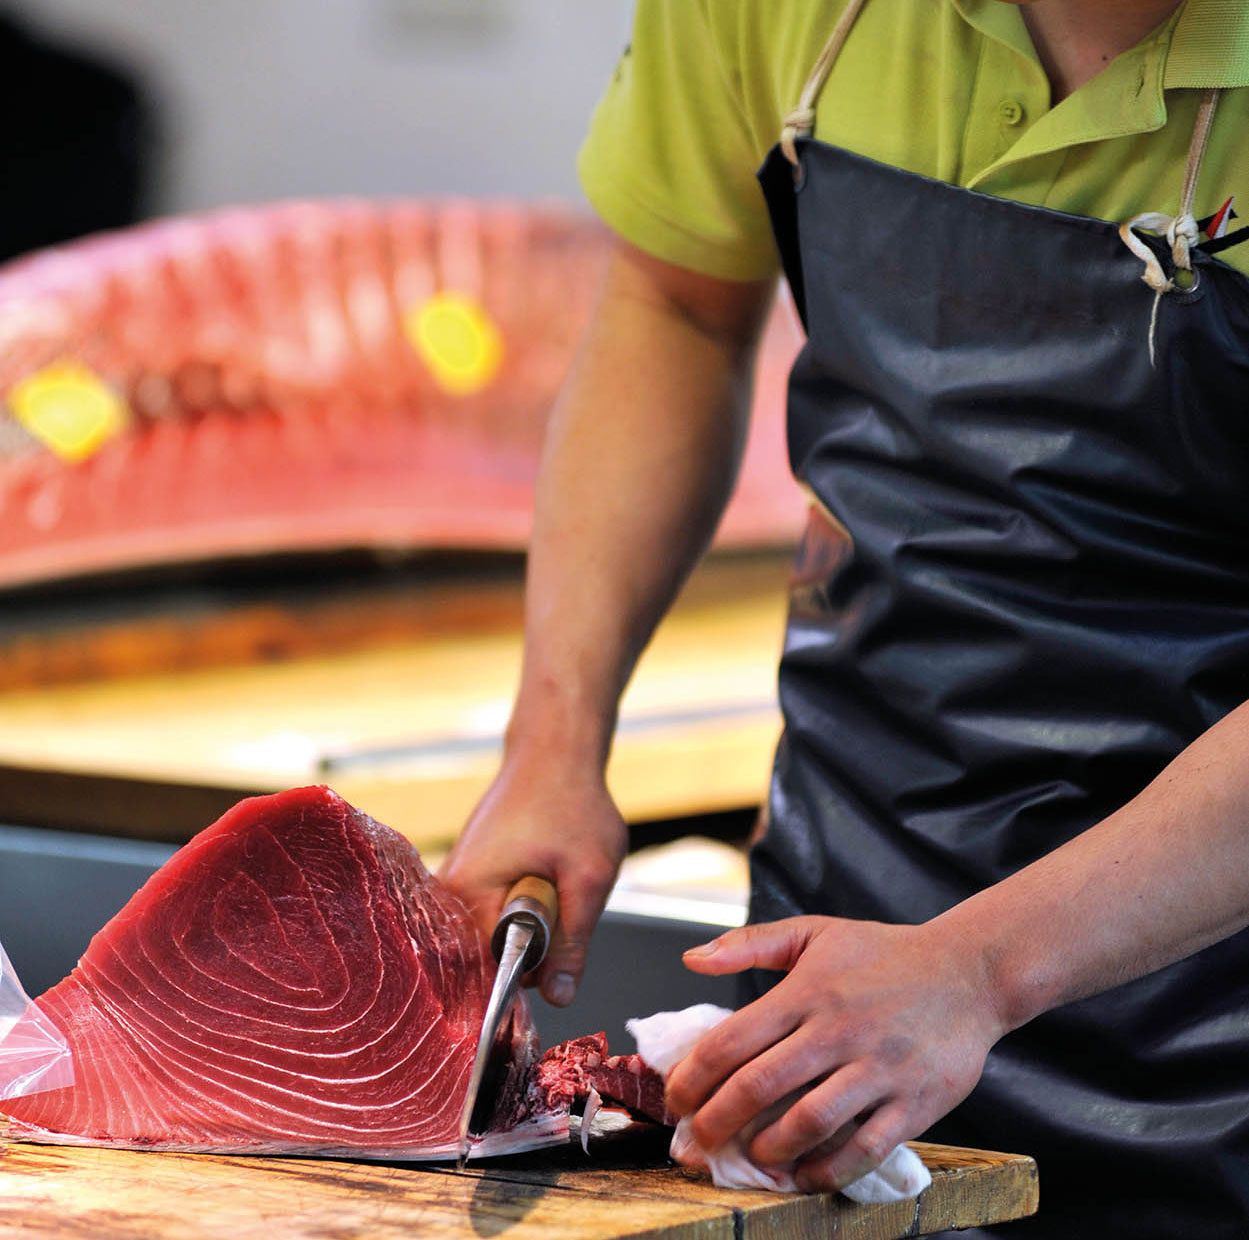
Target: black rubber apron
x=1023, y=590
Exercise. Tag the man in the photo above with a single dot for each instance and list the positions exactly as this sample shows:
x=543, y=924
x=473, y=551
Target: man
x=1007, y=853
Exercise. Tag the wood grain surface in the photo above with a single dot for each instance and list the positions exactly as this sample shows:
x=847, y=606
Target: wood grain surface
x=969, y=1188
x=64, y=1193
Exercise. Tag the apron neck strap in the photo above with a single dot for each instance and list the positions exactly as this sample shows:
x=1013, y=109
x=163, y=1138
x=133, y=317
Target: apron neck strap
x=1197, y=149
x=1181, y=229
x=801, y=121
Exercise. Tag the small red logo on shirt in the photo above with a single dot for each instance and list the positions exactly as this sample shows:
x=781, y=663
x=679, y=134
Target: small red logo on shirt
x=1216, y=225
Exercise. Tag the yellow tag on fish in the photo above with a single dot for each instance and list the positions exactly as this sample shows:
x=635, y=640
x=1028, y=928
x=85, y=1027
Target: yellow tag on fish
x=69, y=408
x=457, y=340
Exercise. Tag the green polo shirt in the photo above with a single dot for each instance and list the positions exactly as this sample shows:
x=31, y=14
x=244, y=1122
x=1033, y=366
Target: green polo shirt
x=952, y=89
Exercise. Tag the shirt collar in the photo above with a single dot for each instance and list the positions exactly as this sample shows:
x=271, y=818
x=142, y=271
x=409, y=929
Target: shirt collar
x=1204, y=43
x=1125, y=98
x=1210, y=46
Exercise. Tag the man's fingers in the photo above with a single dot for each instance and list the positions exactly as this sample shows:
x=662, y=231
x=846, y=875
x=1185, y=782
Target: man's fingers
x=772, y=945
x=581, y=900
x=863, y=1151
x=819, y=1122
x=721, y=1051
x=754, y=1088
x=483, y=900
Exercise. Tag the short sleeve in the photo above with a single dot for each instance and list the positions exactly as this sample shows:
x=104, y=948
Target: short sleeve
x=669, y=162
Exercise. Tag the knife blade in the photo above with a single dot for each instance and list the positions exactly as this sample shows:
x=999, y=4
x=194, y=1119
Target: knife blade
x=519, y=942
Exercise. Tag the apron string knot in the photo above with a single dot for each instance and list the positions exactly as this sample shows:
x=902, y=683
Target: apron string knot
x=1182, y=234
x=800, y=121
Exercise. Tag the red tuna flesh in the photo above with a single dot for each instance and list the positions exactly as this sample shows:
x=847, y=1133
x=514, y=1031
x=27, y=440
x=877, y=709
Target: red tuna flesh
x=292, y=981
x=569, y=1071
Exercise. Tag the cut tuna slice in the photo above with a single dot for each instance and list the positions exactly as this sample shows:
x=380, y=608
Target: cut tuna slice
x=292, y=981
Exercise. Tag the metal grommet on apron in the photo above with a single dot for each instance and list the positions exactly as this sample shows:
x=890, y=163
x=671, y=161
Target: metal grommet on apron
x=1023, y=589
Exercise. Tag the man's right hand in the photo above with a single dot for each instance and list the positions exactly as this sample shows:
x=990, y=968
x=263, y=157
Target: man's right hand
x=536, y=820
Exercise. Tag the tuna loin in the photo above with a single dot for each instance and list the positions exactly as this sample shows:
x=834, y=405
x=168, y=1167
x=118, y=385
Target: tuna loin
x=292, y=981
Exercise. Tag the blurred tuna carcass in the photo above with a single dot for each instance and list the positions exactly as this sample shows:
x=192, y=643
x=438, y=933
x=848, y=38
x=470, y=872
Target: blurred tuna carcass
x=309, y=376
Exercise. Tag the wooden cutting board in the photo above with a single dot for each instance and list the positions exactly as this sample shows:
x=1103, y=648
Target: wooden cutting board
x=59, y=1192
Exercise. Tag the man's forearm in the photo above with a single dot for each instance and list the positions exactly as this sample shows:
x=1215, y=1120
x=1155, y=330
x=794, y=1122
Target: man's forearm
x=1159, y=879
x=641, y=456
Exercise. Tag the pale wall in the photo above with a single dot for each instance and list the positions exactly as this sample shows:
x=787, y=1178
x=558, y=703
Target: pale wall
x=275, y=98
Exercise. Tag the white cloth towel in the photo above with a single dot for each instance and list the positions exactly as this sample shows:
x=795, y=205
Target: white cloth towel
x=664, y=1039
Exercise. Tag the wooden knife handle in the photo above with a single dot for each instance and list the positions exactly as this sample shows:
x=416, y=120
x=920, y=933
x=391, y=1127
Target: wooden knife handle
x=535, y=901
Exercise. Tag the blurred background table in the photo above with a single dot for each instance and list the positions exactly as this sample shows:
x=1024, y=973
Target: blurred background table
x=149, y=712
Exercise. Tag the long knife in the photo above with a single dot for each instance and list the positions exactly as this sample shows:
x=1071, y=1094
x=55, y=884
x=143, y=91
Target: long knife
x=521, y=937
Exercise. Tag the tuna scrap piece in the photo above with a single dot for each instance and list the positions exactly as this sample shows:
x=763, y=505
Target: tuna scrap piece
x=568, y=1072
x=292, y=981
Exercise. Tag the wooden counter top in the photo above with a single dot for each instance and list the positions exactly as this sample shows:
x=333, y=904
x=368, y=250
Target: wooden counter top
x=59, y=1192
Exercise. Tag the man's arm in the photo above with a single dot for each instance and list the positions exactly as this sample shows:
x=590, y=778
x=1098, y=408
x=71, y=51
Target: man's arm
x=640, y=459
x=894, y=1022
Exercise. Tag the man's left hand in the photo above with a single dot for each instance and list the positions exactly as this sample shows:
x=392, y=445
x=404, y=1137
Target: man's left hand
x=884, y=1027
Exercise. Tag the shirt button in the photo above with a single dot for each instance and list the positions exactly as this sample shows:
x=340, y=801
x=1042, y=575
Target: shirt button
x=1010, y=111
